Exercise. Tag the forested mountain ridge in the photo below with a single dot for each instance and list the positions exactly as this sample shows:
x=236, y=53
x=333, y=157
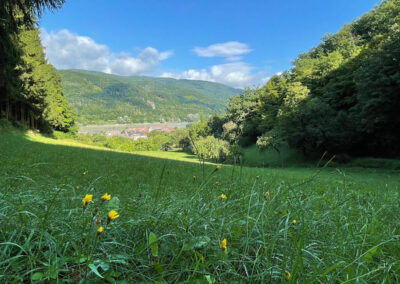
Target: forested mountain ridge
x=104, y=98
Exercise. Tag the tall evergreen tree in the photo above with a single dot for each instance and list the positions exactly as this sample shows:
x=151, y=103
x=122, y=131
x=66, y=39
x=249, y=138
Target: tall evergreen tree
x=30, y=88
x=42, y=90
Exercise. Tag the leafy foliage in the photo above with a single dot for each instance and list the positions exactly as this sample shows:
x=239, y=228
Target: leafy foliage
x=340, y=97
x=212, y=148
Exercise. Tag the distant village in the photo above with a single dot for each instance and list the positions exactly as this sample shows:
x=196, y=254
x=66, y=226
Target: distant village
x=136, y=133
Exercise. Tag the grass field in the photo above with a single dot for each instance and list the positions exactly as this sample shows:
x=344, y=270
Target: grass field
x=171, y=225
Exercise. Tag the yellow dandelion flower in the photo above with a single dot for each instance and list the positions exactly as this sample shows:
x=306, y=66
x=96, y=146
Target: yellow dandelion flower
x=100, y=230
x=294, y=222
x=87, y=199
x=223, y=244
x=216, y=169
x=106, y=197
x=223, y=196
x=266, y=195
x=112, y=215
x=287, y=274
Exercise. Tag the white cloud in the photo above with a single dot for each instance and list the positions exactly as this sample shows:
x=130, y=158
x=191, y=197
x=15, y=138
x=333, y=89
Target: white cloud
x=230, y=50
x=67, y=50
x=235, y=74
x=143, y=63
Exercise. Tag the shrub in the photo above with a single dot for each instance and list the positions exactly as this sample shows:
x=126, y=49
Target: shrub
x=212, y=148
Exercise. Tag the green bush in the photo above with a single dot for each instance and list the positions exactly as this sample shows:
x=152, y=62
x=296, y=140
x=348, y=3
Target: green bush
x=212, y=148
x=5, y=124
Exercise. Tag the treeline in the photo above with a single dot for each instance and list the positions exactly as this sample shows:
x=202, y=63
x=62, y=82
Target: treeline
x=193, y=139
x=341, y=97
x=31, y=92
x=155, y=141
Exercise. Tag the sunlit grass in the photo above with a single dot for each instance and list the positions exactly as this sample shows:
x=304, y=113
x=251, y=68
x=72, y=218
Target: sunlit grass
x=172, y=226
x=171, y=155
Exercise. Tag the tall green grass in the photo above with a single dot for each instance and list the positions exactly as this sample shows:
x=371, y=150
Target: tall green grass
x=171, y=225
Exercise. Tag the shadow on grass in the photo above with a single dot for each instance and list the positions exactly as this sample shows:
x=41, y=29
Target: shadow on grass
x=40, y=157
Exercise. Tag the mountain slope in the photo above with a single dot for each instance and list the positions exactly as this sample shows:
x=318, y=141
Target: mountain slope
x=103, y=98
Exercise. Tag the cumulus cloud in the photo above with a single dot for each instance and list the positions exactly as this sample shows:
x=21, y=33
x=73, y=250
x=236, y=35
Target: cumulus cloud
x=235, y=74
x=143, y=63
x=67, y=50
x=230, y=50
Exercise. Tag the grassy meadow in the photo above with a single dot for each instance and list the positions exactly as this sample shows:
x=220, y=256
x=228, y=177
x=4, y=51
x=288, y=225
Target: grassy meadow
x=290, y=225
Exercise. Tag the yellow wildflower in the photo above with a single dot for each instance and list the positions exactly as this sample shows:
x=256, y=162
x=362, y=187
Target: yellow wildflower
x=266, y=195
x=294, y=222
x=112, y=215
x=223, y=196
x=194, y=177
x=100, y=230
x=87, y=199
x=223, y=244
x=216, y=169
x=106, y=197
x=287, y=274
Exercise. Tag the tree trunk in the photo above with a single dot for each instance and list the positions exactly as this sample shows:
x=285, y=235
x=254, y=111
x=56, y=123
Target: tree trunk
x=279, y=154
x=22, y=113
x=8, y=108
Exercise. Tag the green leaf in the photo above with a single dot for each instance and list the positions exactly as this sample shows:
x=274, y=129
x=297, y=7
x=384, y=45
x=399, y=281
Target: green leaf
x=370, y=254
x=153, y=243
x=195, y=242
x=94, y=269
x=103, y=265
x=333, y=267
x=209, y=279
x=37, y=276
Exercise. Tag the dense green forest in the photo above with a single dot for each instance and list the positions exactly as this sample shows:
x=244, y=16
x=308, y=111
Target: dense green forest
x=104, y=98
x=340, y=97
x=30, y=88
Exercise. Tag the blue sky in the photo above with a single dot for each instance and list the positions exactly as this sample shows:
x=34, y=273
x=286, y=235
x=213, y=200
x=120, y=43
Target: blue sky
x=236, y=42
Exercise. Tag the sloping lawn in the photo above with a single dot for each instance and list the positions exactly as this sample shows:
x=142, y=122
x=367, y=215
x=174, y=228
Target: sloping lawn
x=314, y=225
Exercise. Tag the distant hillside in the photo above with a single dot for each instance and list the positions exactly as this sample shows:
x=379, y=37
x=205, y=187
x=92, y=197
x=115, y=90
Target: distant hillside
x=103, y=98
